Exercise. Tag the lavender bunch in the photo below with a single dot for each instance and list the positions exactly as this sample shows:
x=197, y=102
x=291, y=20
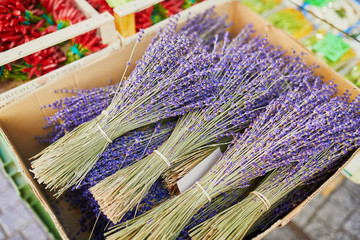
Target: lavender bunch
x=94, y=221
x=127, y=150
x=281, y=208
x=210, y=209
x=171, y=79
x=275, y=139
x=73, y=111
x=251, y=77
x=123, y=152
x=284, y=180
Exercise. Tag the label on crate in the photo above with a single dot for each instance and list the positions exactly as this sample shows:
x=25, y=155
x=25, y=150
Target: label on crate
x=117, y=3
x=332, y=47
x=352, y=168
x=198, y=171
x=319, y=3
x=15, y=93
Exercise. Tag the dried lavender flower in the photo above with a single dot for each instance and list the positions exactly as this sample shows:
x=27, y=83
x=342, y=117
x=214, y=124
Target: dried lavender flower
x=293, y=128
x=170, y=79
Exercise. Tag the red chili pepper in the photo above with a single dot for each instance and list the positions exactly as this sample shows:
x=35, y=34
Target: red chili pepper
x=2, y=16
x=55, y=16
x=48, y=67
x=34, y=33
x=27, y=38
x=17, y=28
x=4, y=9
x=22, y=18
x=14, y=22
x=20, y=6
x=36, y=54
x=38, y=73
x=8, y=66
x=26, y=70
x=44, y=52
x=21, y=41
x=37, y=12
x=56, y=5
x=70, y=12
x=61, y=59
x=37, y=60
x=8, y=16
x=32, y=71
x=47, y=62
x=85, y=39
x=13, y=44
x=39, y=24
x=90, y=43
x=11, y=38
x=16, y=12
x=23, y=29
x=12, y=7
x=50, y=29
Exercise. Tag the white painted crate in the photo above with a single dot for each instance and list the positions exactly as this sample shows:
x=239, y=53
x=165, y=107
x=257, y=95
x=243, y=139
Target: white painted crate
x=104, y=22
x=139, y=5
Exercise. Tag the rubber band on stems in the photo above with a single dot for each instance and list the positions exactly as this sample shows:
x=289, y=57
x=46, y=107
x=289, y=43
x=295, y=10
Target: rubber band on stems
x=163, y=158
x=104, y=134
x=204, y=191
x=262, y=198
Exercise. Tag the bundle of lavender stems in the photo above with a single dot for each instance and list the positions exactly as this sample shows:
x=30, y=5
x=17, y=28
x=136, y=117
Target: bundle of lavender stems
x=294, y=127
x=124, y=151
x=339, y=118
x=122, y=147
x=171, y=79
x=253, y=74
x=80, y=107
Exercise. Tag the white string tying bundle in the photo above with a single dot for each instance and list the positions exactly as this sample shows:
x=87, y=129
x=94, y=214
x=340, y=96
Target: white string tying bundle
x=104, y=112
x=204, y=191
x=104, y=134
x=262, y=198
x=163, y=158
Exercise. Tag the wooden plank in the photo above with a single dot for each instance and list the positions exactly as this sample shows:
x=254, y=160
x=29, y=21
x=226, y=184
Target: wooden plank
x=104, y=20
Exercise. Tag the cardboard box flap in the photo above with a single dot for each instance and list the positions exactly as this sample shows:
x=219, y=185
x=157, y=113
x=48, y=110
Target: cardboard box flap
x=20, y=121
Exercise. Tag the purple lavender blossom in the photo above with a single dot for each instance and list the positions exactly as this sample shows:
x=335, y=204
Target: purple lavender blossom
x=73, y=111
x=300, y=125
x=171, y=79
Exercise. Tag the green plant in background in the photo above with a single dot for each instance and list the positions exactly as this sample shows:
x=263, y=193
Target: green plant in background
x=354, y=75
x=329, y=48
x=159, y=13
x=261, y=6
x=292, y=21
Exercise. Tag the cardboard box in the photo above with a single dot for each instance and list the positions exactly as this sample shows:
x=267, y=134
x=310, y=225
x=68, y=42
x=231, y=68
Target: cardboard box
x=21, y=120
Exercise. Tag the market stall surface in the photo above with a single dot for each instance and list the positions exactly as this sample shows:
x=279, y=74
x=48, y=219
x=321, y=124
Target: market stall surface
x=333, y=217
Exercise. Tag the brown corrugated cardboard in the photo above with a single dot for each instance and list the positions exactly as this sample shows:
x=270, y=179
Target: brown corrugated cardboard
x=21, y=120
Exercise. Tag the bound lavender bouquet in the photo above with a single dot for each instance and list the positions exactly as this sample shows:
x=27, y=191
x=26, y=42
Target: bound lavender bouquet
x=80, y=107
x=339, y=118
x=294, y=127
x=124, y=151
x=171, y=79
x=253, y=74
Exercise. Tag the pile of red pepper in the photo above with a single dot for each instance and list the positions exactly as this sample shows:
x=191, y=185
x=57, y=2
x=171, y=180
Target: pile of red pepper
x=101, y=6
x=151, y=15
x=161, y=11
x=23, y=21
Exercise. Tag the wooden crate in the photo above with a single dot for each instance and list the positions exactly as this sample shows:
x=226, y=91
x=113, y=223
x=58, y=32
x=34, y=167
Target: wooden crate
x=104, y=22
